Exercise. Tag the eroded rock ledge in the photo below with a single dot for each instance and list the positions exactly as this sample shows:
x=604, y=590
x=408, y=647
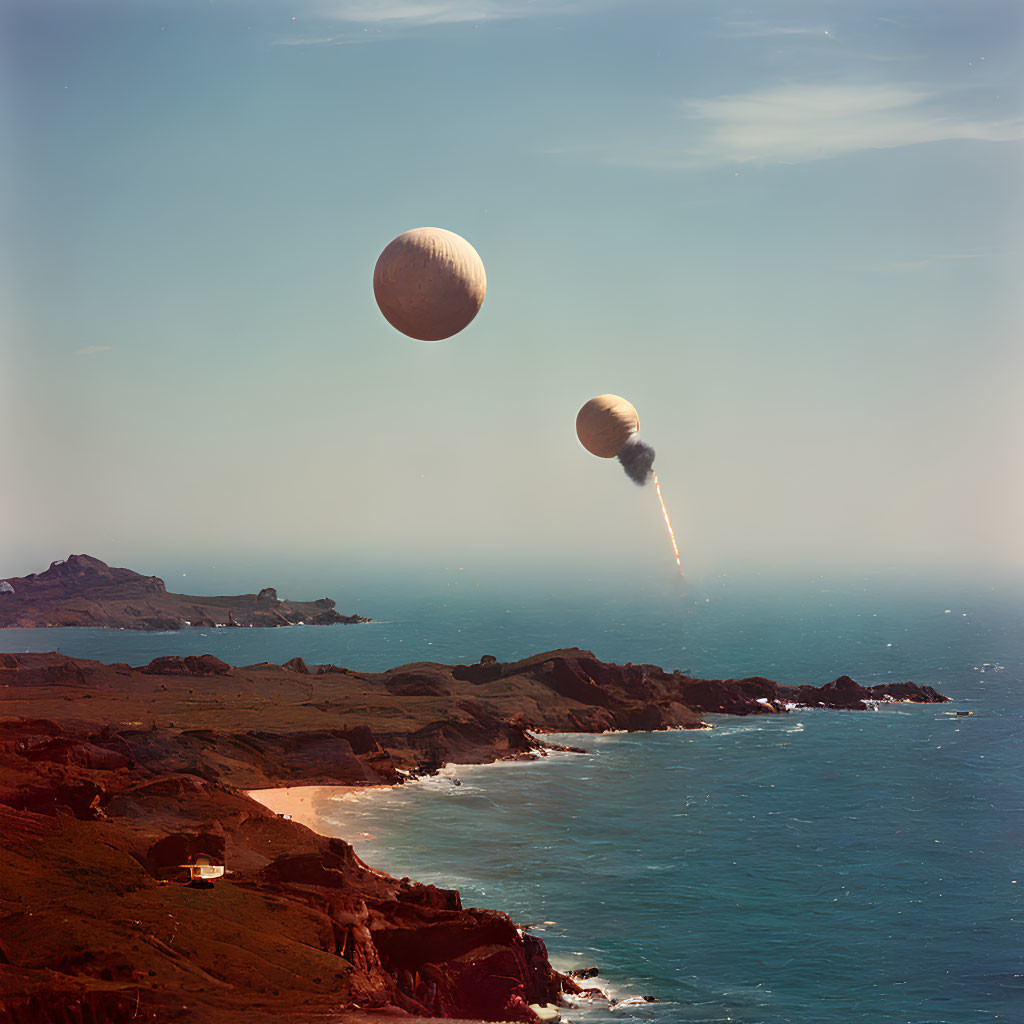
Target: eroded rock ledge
x=111, y=777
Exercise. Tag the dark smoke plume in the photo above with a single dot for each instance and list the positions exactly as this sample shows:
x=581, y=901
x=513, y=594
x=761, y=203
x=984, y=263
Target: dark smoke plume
x=637, y=460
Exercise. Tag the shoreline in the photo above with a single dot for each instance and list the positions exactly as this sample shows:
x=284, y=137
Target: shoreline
x=285, y=800
x=299, y=803
x=296, y=803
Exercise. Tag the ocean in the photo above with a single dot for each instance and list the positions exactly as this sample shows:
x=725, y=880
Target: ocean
x=822, y=866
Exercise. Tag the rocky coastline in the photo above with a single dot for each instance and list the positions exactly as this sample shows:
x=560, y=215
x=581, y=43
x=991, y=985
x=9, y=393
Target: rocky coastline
x=83, y=591
x=114, y=779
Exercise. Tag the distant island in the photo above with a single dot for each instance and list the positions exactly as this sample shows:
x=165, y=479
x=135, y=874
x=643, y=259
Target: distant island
x=83, y=591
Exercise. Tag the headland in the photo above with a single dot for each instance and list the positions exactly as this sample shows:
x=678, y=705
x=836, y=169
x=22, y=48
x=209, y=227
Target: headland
x=114, y=779
x=83, y=591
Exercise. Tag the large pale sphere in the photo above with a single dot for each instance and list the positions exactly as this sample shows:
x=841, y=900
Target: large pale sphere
x=429, y=283
x=605, y=424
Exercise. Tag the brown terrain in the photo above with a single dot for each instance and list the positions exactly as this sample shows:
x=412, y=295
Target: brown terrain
x=112, y=778
x=83, y=591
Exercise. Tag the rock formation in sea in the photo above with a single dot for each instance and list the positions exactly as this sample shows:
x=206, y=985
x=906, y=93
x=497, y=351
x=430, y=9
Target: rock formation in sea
x=114, y=779
x=83, y=591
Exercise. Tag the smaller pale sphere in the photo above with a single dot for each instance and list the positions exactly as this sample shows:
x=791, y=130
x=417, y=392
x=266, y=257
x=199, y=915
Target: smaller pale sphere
x=429, y=283
x=605, y=424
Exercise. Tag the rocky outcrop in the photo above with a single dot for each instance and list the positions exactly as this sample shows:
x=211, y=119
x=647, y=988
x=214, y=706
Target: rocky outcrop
x=83, y=591
x=172, y=665
x=910, y=692
x=845, y=694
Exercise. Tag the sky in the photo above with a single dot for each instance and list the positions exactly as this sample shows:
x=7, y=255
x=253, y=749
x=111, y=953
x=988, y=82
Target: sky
x=788, y=232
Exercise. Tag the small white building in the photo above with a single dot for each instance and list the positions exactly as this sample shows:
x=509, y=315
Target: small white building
x=203, y=868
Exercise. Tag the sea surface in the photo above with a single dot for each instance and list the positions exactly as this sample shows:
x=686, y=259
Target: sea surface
x=821, y=867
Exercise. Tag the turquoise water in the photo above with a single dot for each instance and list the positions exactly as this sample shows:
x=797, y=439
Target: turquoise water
x=826, y=867
x=821, y=867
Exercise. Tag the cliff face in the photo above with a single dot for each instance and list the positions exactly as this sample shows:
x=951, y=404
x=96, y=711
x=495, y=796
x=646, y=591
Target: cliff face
x=112, y=777
x=83, y=591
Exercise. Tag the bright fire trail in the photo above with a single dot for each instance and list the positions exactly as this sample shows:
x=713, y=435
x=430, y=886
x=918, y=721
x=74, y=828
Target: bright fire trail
x=668, y=523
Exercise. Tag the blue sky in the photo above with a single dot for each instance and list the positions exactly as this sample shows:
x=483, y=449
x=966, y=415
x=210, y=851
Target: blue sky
x=789, y=233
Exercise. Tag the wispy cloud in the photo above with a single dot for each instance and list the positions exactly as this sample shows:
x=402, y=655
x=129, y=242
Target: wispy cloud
x=93, y=350
x=382, y=20
x=803, y=122
x=437, y=12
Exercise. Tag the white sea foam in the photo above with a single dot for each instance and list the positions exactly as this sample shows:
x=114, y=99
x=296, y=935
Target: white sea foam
x=607, y=991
